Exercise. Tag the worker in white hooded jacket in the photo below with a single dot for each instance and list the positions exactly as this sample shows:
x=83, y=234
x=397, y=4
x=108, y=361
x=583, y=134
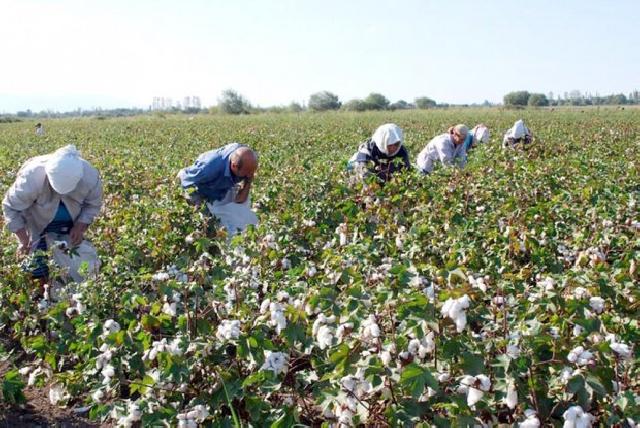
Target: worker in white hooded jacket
x=383, y=154
x=58, y=193
x=518, y=133
x=448, y=149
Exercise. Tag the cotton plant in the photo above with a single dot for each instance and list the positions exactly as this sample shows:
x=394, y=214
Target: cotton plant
x=474, y=387
x=370, y=330
x=58, y=394
x=192, y=418
x=276, y=315
x=323, y=331
x=580, y=356
x=276, y=362
x=576, y=417
x=530, y=420
x=228, y=330
x=455, y=310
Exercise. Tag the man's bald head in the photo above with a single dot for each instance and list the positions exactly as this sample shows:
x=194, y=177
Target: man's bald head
x=244, y=162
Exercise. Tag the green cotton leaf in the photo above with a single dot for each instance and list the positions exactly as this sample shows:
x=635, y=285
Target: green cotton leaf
x=457, y=277
x=294, y=332
x=415, y=377
x=575, y=384
x=473, y=364
x=596, y=385
x=12, y=388
x=342, y=358
x=288, y=419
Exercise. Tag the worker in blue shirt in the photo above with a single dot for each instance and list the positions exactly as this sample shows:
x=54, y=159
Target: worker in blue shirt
x=222, y=179
x=218, y=171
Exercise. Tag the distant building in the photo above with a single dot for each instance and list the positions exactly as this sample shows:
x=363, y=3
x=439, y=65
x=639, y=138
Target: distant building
x=166, y=103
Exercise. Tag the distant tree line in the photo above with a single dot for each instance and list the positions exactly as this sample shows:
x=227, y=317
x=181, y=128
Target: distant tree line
x=573, y=98
x=231, y=102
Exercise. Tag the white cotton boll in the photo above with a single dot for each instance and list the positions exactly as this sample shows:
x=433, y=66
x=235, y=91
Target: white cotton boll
x=311, y=271
x=473, y=396
x=160, y=276
x=57, y=393
x=461, y=321
x=345, y=416
x=513, y=351
x=169, y=309
x=454, y=309
x=577, y=330
x=134, y=412
x=275, y=362
x=485, y=382
x=110, y=326
x=597, y=304
x=621, y=349
x=228, y=330
x=97, y=395
x=108, y=371
x=264, y=306
x=286, y=263
x=283, y=296
x=385, y=357
x=511, y=400
x=575, y=417
x=33, y=376
x=531, y=420
x=324, y=337
x=414, y=345
x=70, y=312
x=24, y=370
x=444, y=377
x=580, y=293
x=399, y=243
x=81, y=308
x=579, y=356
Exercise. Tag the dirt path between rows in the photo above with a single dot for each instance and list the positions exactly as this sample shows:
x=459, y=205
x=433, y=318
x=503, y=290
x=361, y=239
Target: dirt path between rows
x=38, y=412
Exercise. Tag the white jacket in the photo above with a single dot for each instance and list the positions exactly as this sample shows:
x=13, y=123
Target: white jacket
x=442, y=149
x=31, y=202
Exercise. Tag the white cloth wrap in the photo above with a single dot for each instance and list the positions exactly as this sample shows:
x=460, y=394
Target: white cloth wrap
x=71, y=261
x=233, y=216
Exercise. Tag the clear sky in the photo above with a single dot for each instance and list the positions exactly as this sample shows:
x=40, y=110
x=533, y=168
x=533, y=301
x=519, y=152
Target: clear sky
x=64, y=54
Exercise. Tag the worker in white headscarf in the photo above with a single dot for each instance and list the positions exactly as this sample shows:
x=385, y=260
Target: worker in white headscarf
x=479, y=134
x=58, y=194
x=383, y=154
x=448, y=149
x=518, y=133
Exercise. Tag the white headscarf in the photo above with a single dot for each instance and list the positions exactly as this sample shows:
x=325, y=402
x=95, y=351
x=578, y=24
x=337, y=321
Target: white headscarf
x=64, y=169
x=386, y=135
x=519, y=130
x=481, y=134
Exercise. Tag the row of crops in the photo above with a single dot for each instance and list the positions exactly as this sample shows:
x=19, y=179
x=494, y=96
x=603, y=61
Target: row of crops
x=506, y=292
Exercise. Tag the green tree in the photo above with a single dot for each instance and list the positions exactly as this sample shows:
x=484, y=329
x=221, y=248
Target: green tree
x=424, y=103
x=517, y=98
x=355, y=105
x=322, y=101
x=375, y=101
x=538, y=100
x=232, y=102
x=401, y=105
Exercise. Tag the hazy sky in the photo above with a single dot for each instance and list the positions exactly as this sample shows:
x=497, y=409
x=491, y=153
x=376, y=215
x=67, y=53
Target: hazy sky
x=64, y=54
